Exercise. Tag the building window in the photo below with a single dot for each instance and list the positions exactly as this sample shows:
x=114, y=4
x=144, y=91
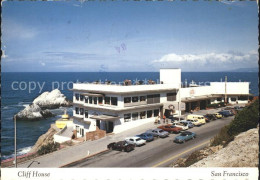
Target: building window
x=127, y=117
x=90, y=100
x=100, y=100
x=135, y=99
x=233, y=99
x=142, y=98
x=77, y=96
x=81, y=98
x=114, y=101
x=134, y=116
x=76, y=110
x=149, y=114
x=82, y=132
x=243, y=98
x=143, y=115
x=107, y=100
x=156, y=112
x=127, y=100
x=154, y=98
x=219, y=99
x=86, y=99
x=95, y=100
x=77, y=128
x=171, y=96
x=81, y=111
x=86, y=113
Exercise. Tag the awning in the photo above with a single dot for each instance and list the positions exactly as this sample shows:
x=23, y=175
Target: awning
x=199, y=98
x=105, y=117
x=81, y=120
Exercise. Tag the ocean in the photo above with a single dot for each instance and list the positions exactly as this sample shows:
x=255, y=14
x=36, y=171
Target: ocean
x=20, y=89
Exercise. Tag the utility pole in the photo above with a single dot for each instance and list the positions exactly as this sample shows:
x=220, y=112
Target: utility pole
x=225, y=89
x=15, y=156
x=180, y=102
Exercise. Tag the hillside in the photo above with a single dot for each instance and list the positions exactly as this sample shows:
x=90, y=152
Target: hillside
x=242, y=152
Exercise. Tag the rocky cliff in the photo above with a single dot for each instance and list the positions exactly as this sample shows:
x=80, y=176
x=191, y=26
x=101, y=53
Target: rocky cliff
x=44, y=139
x=242, y=152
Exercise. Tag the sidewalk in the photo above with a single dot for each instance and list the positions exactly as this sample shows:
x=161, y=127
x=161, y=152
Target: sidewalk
x=82, y=150
x=88, y=148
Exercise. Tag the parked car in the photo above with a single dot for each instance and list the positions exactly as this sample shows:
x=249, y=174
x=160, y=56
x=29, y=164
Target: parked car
x=200, y=118
x=158, y=132
x=121, y=146
x=173, y=119
x=211, y=117
x=137, y=141
x=146, y=136
x=225, y=113
x=206, y=118
x=170, y=128
x=187, y=123
x=195, y=122
x=180, y=125
x=184, y=136
x=218, y=115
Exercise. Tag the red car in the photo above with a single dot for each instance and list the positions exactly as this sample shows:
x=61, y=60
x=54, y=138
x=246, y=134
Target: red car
x=170, y=128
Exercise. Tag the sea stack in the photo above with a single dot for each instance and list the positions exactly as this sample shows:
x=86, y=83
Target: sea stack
x=33, y=112
x=51, y=100
x=39, y=108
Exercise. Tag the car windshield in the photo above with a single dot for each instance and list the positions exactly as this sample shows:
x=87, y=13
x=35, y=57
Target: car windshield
x=138, y=139
x=183, y=134
x=160, y=131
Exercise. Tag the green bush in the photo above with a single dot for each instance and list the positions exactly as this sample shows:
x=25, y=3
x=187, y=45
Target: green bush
x=222, y=138
x=50, y=147
x=243, y=121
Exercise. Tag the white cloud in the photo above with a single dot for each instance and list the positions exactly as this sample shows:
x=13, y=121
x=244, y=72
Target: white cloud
x=16, y=30
x=216, y=61
x=42, y=63
x=202, y=58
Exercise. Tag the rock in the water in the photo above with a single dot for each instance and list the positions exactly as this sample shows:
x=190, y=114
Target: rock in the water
x=33, y=112
x=51, y=100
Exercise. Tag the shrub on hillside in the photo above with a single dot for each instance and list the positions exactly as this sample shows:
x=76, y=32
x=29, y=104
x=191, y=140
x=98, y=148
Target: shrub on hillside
x=244, y=120
x=50, y=147
x=222, y=138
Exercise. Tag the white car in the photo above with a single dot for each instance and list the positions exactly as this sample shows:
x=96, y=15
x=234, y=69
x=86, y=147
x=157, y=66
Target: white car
x=180, y=125
x=135, y=140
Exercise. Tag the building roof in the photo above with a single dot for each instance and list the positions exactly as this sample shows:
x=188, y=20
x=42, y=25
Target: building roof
x=123, y=90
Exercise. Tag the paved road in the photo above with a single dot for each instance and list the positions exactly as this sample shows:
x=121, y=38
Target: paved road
x=158, y=153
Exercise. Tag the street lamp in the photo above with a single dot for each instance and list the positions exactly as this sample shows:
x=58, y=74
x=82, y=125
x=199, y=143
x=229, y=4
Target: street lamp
x=15, y=156
x=33, y=162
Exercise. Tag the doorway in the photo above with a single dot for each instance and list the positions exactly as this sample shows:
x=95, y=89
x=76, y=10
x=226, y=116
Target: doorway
x=98, y=123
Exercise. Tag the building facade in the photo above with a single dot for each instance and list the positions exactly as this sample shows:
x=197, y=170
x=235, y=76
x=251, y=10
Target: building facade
x=116, y=108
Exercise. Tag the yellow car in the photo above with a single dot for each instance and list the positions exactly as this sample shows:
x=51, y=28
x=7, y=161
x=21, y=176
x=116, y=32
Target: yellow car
x=219, y=116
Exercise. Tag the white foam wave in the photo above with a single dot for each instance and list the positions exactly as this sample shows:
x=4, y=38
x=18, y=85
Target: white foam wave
x=20, y=152
x=24, y=150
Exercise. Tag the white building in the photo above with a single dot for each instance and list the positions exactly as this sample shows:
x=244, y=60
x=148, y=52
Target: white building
x=116, y=108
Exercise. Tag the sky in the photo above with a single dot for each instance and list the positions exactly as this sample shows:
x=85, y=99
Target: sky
x=121, y=36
